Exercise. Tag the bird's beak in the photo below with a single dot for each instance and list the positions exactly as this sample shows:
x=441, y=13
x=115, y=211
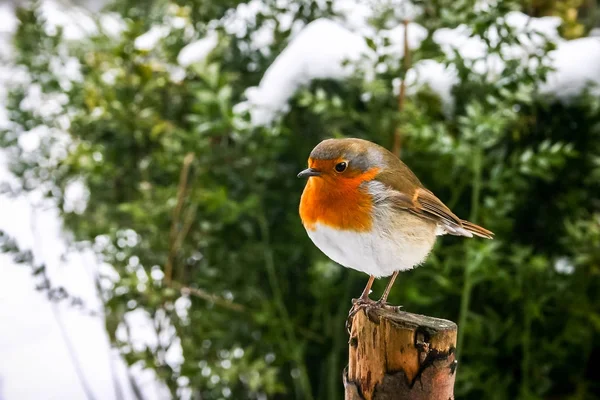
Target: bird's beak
x=308, y=172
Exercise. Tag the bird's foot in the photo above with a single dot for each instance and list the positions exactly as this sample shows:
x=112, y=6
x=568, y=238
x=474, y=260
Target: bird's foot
x=365, y=302
x=357, y=305
x=362, y=301
x=386, y=306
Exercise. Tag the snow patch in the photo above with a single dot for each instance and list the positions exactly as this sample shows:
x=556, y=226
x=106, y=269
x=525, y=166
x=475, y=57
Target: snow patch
x=331, y=49
x=577, y=67
x=75, y=21
x=438, y=77
x=395, y=50
x=197, y=51
x=356, y=15
x=8, y=20
x=237, y=21
x=112, y=24
x=319, y=51
x=139, y=331
x=532, y=33
x=150, y=39
x=76, y=197
x=564, y=265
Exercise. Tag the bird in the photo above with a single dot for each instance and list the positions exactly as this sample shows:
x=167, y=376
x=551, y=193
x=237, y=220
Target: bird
x=366, y=210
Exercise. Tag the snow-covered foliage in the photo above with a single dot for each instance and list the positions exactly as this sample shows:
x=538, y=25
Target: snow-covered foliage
x=328, y=49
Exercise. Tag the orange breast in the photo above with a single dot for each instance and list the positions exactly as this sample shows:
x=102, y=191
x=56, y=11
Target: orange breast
x=338, y=202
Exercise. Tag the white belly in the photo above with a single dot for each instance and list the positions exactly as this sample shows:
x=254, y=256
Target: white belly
x=388, y=248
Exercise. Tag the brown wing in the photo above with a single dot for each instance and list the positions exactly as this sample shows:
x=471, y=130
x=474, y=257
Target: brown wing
x=406, y=192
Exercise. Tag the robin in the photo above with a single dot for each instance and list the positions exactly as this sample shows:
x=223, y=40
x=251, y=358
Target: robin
x=366, y=210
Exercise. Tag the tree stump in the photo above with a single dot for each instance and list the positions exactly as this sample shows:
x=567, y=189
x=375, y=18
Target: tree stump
x=399, y=355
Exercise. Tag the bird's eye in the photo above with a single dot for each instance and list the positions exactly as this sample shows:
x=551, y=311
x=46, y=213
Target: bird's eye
x=341, y=167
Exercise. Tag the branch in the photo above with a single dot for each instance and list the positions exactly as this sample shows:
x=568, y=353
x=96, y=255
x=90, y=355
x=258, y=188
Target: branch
x=287, y=325
x=71, y=350
x=177, y=236
x=89, y=394
x=187, y=224
x=203, y=294
x=397, y=146
x=173, y=234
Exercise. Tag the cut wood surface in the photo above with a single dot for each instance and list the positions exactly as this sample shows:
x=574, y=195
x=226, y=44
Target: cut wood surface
x=399, y=355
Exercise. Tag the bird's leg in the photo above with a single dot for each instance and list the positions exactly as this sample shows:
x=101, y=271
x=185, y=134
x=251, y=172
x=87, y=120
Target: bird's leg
x=361, y=302
x=364, y=297
x=382, y=302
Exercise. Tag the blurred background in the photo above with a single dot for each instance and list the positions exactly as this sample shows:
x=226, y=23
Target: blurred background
x=150, y=245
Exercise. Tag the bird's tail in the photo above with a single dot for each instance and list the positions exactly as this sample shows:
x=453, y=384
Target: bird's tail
x=477, y=230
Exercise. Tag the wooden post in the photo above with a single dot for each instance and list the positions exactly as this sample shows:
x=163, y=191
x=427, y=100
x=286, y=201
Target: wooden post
x=398, y=355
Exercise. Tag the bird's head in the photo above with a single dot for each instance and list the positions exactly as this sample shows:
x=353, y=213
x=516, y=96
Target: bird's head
x=344, y=160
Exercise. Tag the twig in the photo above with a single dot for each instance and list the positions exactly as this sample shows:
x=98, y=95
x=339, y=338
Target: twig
x=465, y=298
x=203, y=294
x=397, y=146
x=177, y=236
x=310, y=335
x=72, y=353
x=135, y=388
x=181, y=194
x=286, y=321
x=37, y=246
x=115, y=378
x=187, y=224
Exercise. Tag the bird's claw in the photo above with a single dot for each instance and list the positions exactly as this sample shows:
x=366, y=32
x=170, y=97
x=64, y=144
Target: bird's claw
x=357, y=305
x=386, y=306
x=360, y=303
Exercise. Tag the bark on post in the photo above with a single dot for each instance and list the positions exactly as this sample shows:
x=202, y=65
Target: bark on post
x=398, y=355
